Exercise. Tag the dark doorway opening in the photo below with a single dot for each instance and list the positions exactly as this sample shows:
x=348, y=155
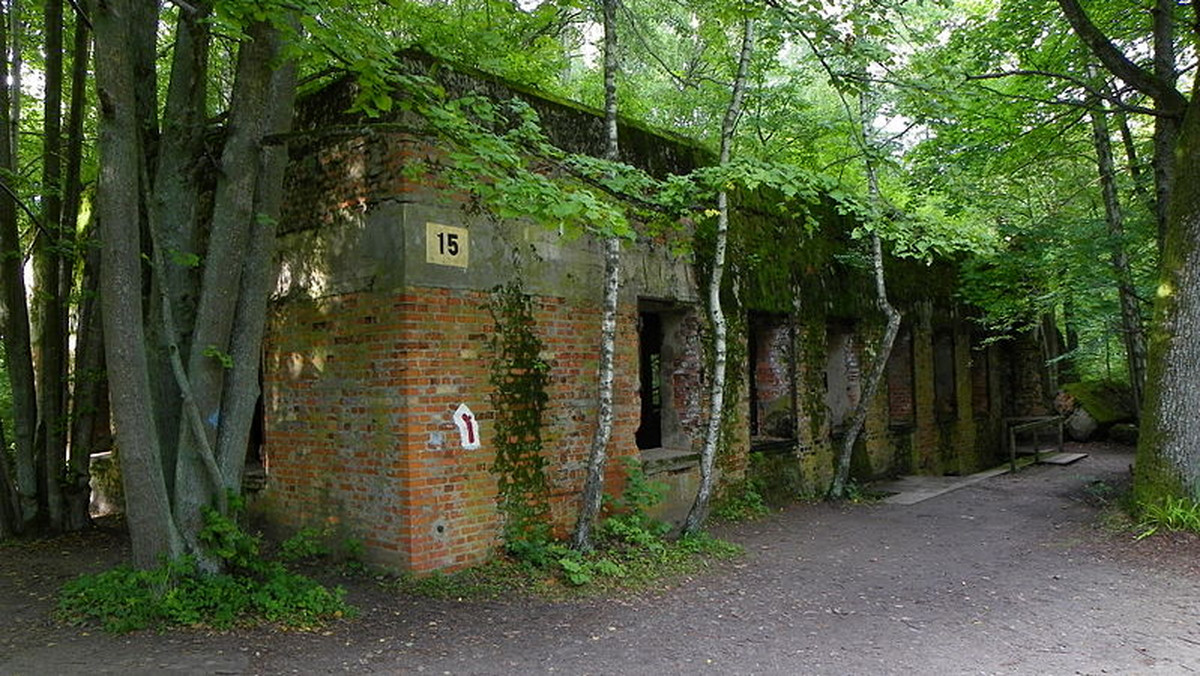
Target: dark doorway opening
x=650, y=348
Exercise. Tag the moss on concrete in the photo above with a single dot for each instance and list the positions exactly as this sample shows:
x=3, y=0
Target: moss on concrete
x=1106, y=401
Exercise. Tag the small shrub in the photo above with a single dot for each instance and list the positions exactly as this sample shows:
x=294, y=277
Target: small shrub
x=741, y=501
x=306, y=543
x=179, y=593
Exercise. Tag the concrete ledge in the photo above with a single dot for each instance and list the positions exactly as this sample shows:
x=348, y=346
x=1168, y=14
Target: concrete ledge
x=658, y=460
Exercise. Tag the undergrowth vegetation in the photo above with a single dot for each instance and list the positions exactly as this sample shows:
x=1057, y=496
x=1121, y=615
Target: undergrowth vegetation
x=1169, y=514
x=632, y=550
x=742, y=501
x=1121, y=513
x=252, y=589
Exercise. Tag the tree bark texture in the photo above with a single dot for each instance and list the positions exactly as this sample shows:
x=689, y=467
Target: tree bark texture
x=198, y=477
x=76, y=485
x=173, y=207
x=698, y=513
x=858, y=418
x=258, y=273
x=91, y=387
x=1132, y=332
x=1168, y=455
x=49, y=314
x=148, y=506
x=14, y=320
x=593, y=486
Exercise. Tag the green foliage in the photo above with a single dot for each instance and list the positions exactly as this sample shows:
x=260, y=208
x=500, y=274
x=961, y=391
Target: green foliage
x=124, y=599
x=223, y=538
x=1170, y=514
x=740, y=501
x=306, y=543
x=214, y=352
x=519, y=378
x=180, y=593
x=498, y=152
x=631, y=546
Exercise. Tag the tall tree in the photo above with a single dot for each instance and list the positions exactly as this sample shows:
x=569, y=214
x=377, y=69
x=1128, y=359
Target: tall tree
x=593, y=488
x=1168, y=455
x=50, y=302
x=1132, y=332
x=883, y=351
x=14, y=315
x=216, y=397
x=716, y=395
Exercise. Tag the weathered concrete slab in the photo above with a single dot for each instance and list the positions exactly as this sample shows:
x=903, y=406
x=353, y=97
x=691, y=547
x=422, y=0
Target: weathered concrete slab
x=910, y=490
x=1061, y=458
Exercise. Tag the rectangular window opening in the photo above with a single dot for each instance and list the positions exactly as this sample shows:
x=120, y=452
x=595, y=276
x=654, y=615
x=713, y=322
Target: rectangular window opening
x=772, y=379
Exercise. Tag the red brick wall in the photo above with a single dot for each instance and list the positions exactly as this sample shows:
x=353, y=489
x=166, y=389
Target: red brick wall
x=901, y=406
x=360, y=392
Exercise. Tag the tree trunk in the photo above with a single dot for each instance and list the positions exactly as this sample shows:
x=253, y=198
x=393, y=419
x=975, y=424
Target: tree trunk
x=10, y=520
x=593, y=487
x=50, y=300
x=199, y=480
x=91, y=388
x=173, y=205
x=1168, y=455
x=698, y=514
x=1168, y=122
x=76, y=486
x=242, y=389
x=858, y=418
x=148, y=508
x=1131, y=318
x=14, y=320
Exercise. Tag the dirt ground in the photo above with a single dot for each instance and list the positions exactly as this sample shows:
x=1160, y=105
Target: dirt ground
x=1013, y=575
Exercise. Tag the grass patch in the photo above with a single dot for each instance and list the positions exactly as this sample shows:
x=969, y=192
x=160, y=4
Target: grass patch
x=1120, y=514
x=1169, y=514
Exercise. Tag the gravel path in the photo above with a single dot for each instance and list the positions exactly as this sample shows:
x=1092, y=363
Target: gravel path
x=1006, y=576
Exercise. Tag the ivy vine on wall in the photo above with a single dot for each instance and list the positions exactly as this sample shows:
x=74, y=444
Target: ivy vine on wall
x=519, y=378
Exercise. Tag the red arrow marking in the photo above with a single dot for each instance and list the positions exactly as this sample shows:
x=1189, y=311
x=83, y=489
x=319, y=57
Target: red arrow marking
x=470, y=428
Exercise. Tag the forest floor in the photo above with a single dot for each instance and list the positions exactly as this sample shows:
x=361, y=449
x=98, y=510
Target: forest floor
x=1018, y=574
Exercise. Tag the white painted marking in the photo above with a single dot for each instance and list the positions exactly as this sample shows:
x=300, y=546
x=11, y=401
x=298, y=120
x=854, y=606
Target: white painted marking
x=468, y=427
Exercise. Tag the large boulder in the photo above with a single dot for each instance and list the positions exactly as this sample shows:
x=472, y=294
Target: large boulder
x=1080, y=425
x=1094, y=407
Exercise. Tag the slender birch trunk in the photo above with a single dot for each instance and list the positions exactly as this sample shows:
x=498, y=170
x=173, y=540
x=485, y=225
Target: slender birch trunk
x=858, y=418
x=593, y=487
x=716, y=400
